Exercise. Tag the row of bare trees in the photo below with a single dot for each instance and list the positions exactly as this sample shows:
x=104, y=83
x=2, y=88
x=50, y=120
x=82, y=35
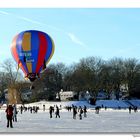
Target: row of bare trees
x=91, y=73
x=94, y=74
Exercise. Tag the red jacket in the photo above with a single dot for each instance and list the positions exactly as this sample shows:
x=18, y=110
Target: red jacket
x=9, y=111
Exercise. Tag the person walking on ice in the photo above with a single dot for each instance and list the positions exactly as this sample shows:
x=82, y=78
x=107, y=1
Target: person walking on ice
x=57, y=112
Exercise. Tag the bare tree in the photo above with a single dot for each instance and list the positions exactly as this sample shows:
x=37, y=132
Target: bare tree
x=8, y=74
x=9, y=70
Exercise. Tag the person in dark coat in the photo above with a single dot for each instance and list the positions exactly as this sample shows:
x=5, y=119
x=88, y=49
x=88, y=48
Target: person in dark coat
x=57, y=112
x=80, y=113
x=130, y=108
x=43, y=107
x=135, y=109
x=31, y=109
x=85, y=111
x=70, y=108
x=51, y=111
x=9, y=115
x=74, y=112
x=97, y=108
x=21, y=109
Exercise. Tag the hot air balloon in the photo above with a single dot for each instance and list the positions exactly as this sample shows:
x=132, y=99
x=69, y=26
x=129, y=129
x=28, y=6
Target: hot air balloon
x=32, y=50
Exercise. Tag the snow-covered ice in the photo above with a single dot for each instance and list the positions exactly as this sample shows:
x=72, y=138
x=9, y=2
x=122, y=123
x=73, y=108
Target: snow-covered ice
x=107, y=121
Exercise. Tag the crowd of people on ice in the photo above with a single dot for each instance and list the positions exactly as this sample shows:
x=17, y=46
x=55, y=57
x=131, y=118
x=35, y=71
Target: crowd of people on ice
x=77, y=110
x=31, y=109
x=12, y=111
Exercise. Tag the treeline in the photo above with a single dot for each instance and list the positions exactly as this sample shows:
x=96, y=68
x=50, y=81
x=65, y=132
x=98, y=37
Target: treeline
x=91, y=74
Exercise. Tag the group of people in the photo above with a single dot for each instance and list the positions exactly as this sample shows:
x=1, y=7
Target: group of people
x=11, y=111
x=135, y=108
x=57, y=112
x=75, y=110
x=32, y=109
x=79, y=110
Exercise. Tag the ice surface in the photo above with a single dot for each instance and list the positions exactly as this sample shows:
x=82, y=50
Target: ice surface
x=109, y=121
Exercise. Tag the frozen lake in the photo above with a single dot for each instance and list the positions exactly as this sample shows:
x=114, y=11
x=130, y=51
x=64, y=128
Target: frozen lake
x=109, y=121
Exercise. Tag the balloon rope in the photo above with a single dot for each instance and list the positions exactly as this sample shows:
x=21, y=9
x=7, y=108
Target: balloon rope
x=31, y=86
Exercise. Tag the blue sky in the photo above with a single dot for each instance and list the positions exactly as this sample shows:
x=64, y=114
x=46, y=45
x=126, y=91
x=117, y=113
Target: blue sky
x=77, y=33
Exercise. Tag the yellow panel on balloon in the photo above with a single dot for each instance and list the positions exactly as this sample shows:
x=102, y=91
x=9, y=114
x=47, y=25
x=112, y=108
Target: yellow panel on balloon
x=26, y=42
x=29, y=66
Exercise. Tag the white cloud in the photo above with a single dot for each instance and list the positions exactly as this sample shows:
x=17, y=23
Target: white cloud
x=3, y=12
x=37, y=22
x=28, y=20
x=76, y=40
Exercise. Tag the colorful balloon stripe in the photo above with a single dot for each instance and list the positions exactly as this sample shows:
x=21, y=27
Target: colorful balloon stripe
x=42, y=51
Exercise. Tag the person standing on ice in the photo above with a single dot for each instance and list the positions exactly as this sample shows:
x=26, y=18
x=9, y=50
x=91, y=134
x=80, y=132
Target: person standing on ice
x=14, y=113
x=85, y=111
x=43, y=107
x=21, y=109
x=51, y=111
x=97, y=108
x=57, y=112
x=74, y=112
x=80, y=113
x=135, y=109
x=70, y=108
x=130, y=108
x=31, y=109
x=9, y=115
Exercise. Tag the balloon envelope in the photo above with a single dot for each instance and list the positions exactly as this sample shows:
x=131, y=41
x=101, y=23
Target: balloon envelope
x=32, y=50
